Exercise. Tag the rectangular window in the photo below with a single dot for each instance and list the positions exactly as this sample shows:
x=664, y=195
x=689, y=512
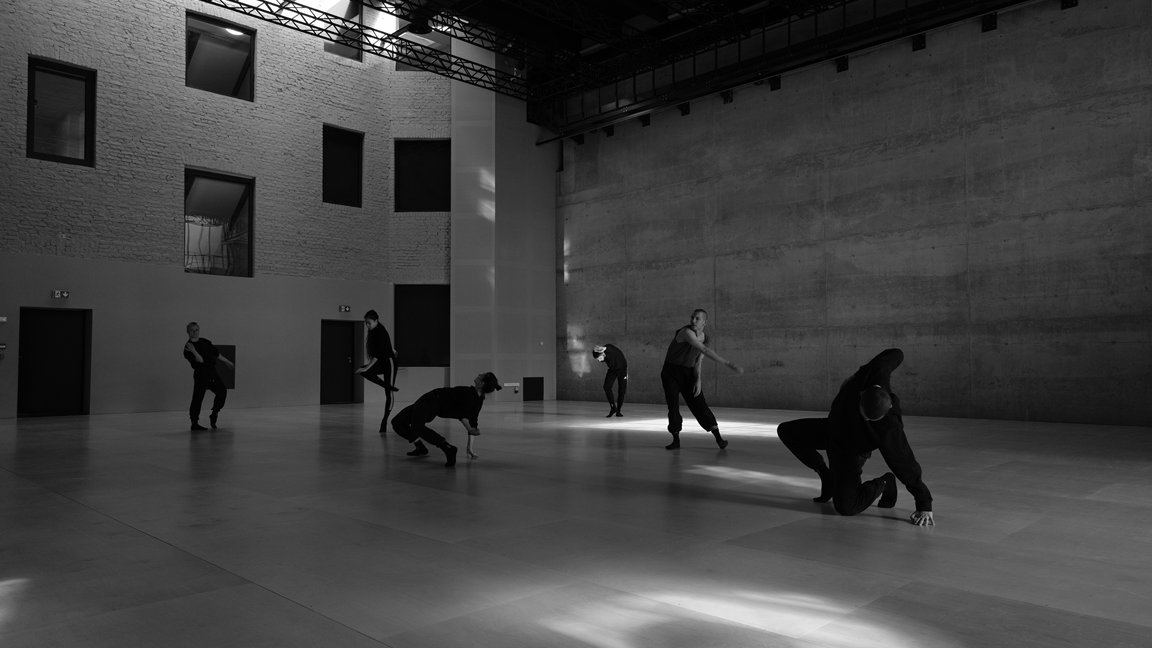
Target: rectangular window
x=61, y=112
x=219, y=57
x=350, y=35
x=217, y=223
x=427, y=43
x=423, y=337
x=343, y=166
x=423, y=175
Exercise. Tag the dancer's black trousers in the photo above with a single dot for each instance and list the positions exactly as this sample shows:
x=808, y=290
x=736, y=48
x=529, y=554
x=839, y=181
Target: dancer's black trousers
x=411, y=423
x=806, y=438
x=201, y=384
x=621, y=381
x=379, y=373
x=678, y=381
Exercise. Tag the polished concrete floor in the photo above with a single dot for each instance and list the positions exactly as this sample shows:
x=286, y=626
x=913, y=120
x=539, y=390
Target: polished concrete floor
x=303, y=527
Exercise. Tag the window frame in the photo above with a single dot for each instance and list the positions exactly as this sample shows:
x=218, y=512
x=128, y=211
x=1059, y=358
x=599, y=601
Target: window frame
x=249, y=183
x=249, y=64
x=408, y=311
x=359, y=166
x=408, y=189
x=88, y=76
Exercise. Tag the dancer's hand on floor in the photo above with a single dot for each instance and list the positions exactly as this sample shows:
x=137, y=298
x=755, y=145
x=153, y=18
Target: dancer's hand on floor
x=922, y=518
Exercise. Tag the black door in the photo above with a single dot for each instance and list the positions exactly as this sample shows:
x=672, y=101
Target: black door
x=54, y=360
x=339, y=342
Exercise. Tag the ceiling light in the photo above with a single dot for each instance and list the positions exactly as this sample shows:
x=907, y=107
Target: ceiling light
x=234, y=32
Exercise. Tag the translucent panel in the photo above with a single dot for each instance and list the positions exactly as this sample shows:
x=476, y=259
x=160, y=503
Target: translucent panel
x=59, y=109
x=831, y=21
x=859, y=12
x=728, y=55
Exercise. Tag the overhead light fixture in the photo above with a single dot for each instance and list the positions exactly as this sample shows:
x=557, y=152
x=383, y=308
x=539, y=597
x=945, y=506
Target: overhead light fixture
x=234, y=31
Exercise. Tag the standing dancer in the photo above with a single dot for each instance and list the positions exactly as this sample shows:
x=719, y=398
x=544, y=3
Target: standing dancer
x=462, y=403
x=381, y=362
x=202, y=355
x=865, y=416
x=617, y=373
x=681, y=377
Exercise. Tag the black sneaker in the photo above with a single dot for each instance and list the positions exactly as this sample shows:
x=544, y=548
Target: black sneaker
x=212, y=421
x=611, y=413
x=618, y=413
x=418, y=451
x=196, y=427
x=675, y=445
x=888, y=499
x=449, y=455
x=825, y=486
x=723, y=443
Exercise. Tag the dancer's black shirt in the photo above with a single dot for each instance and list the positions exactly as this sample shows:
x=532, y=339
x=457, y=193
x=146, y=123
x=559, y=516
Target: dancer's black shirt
x=451, y=402
x=379, y=343
x=850, y=433
x=615, y=360
x=208, y=352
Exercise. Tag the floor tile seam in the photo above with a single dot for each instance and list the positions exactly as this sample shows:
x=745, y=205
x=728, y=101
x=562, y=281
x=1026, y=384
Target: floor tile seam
x=111, y=614
x=214, y=564
x=1033, y=604
x=941, y=581
x=483, y=609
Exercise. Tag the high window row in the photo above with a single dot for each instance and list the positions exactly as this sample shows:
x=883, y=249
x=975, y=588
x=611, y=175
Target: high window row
x=219, y=207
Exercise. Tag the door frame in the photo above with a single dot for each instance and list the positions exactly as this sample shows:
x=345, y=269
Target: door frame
x=86, y=358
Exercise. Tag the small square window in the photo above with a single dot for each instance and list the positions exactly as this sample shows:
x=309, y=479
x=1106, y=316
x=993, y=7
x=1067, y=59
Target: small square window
x=350, y=33
x=343, y=166
x=61, y=112
x=217, y=223
x=429, y=40
x=219, y=57
x=423, y=175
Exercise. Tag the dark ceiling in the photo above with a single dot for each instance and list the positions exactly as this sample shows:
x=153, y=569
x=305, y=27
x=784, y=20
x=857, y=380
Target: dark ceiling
x=588, y=64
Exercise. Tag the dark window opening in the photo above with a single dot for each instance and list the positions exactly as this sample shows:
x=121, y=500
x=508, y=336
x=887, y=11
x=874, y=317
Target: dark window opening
x=423, y=175
x=217, y=223
x=423, y=337
x=350, y=33
x=219, y=57
x=426, y=45
x=61, y=112
x=343, y=166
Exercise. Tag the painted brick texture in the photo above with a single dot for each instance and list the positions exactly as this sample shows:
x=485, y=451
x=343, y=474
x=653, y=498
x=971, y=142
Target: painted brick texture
x=982, y=203
x=150, y=126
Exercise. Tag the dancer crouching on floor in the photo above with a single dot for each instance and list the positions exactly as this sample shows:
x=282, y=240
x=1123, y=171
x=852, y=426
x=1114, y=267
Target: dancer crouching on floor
x=462, y=403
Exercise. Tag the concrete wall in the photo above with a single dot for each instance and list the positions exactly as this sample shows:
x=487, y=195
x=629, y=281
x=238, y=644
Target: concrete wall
x=113, y=234
x=983, y=204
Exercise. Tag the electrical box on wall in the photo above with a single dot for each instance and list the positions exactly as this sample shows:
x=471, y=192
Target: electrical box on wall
x=59, y=294
x=345, y=309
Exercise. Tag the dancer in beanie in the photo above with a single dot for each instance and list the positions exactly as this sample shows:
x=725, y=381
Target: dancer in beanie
x=462, y=403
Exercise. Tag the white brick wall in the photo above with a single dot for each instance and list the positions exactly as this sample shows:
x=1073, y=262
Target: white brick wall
x=150, y=127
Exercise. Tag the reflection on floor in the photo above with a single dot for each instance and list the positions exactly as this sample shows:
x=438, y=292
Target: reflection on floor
x=302, y=527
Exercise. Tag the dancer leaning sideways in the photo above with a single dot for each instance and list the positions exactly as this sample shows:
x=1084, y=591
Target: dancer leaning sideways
x=681, y=377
